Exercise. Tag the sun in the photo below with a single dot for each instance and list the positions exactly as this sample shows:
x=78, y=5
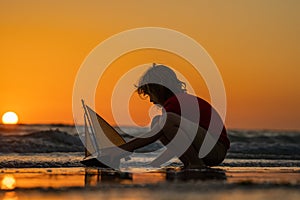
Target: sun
x=10, y=118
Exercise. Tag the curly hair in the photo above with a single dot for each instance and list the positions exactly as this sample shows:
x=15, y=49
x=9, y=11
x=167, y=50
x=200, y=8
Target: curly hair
x=157, y=78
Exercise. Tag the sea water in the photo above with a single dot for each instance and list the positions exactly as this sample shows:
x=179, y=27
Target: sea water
x=60, y=146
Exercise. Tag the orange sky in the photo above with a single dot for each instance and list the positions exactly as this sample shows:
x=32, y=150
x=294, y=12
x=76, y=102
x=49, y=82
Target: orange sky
x=254, y=43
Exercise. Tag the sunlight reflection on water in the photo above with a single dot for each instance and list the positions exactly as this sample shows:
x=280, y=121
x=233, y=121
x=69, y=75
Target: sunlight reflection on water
x=8, y=182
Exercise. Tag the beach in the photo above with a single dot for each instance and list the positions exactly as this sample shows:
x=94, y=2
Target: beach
x=83, y=183
x=44, y=162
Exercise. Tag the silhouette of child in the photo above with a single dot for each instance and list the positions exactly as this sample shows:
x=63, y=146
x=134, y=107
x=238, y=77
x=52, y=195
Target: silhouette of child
x=162, y=86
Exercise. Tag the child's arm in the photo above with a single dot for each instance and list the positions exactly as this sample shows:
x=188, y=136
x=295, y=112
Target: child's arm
x=153, y=135
x=140, y=142
x=150, y=137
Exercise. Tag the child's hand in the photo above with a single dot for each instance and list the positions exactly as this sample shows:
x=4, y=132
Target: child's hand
x=112, y=154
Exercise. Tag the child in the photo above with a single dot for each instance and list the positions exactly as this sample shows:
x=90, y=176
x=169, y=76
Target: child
x=162, y=86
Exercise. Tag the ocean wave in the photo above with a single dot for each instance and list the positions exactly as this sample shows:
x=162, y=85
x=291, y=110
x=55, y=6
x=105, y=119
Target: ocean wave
x=265, y=144
x=41, y=142
x=245, y=144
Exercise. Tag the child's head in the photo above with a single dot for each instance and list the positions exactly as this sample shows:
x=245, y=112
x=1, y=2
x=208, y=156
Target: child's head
x=160, y=83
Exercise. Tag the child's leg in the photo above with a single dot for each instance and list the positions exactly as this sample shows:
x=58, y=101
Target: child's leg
x=184, y=159
x=190, y=157
x=216, y=155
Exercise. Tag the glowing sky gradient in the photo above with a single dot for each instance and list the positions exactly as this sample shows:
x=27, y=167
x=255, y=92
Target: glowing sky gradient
x=254, y=43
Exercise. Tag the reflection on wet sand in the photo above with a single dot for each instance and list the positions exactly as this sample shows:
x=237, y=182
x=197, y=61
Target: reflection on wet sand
x=58, y=178
x=11, y=195
x=8, y=182
x=88, y=183
x=90, y=177
x=196, y=174
x=97, y=176
x=263, y=175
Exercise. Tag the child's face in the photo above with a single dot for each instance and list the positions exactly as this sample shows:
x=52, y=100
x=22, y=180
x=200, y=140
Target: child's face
x=155, y=94
x=156, y=98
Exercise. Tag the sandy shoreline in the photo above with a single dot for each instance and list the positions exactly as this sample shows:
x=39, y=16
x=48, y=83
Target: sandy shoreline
x=259, y=165
x=91, y=183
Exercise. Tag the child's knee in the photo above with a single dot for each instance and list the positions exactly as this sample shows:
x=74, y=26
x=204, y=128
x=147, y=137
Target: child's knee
x=155, y=120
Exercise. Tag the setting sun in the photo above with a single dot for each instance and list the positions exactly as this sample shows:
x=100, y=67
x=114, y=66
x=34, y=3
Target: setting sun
x=10, y=118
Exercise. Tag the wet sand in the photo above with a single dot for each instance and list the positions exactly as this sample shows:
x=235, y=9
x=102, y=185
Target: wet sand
x=90, y=183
